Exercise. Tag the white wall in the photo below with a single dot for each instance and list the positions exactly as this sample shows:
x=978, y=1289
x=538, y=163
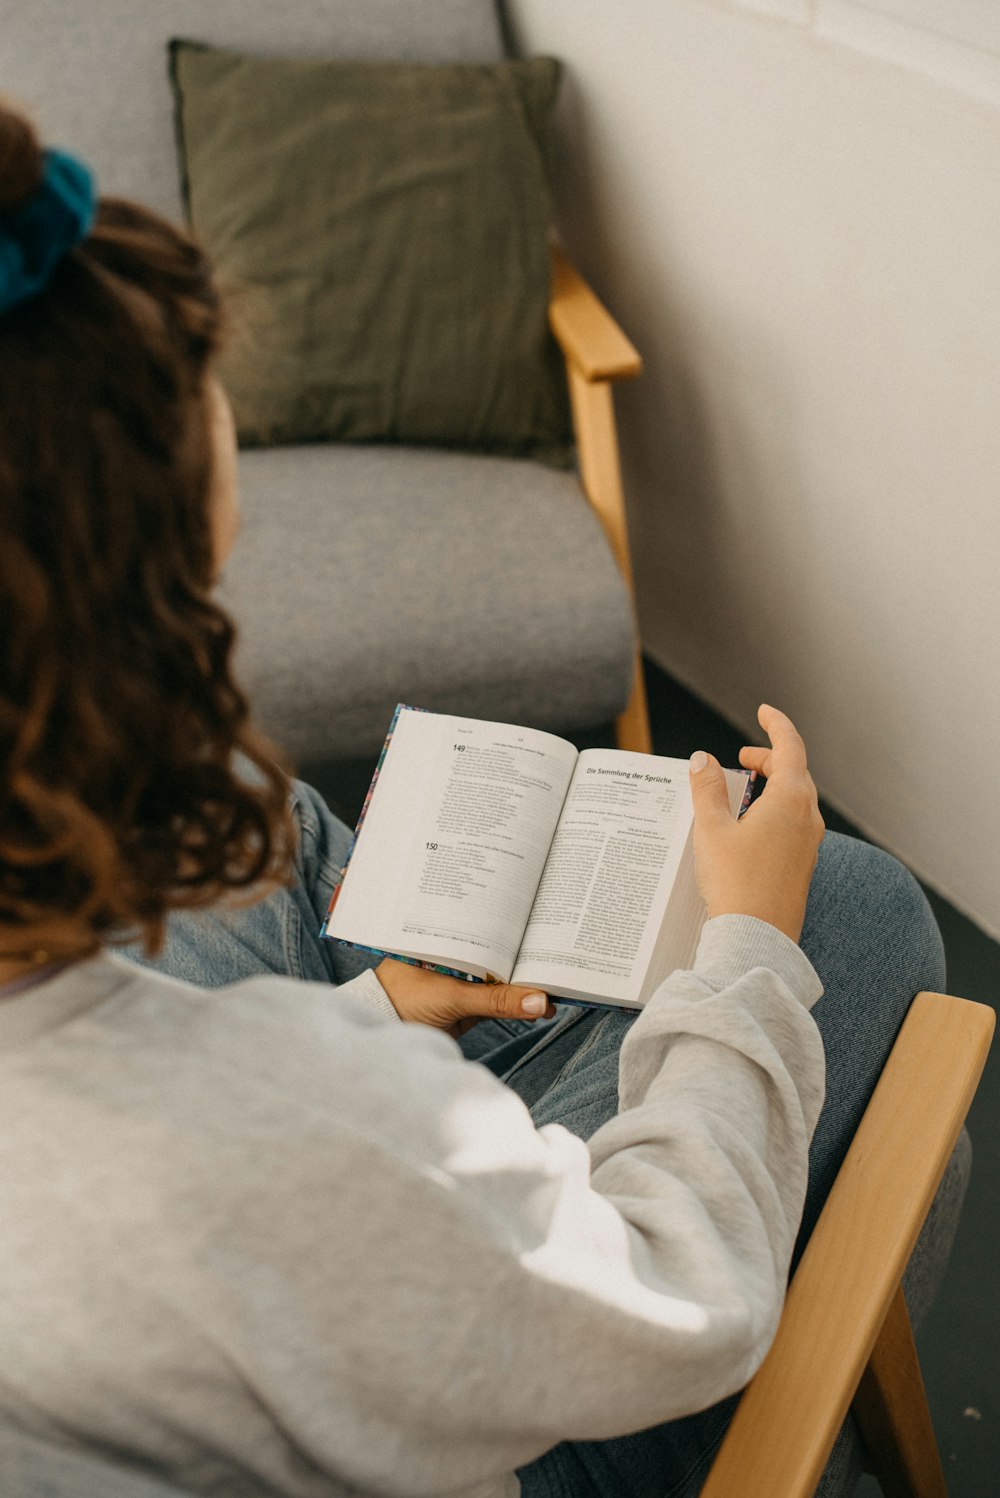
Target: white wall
x=804, y=242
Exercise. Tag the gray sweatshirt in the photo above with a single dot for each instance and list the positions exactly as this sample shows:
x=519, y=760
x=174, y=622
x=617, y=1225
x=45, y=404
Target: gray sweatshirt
x=274, y=1241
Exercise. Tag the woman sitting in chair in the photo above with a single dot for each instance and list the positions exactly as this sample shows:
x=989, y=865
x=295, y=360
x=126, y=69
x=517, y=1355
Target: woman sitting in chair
x=271, y=1236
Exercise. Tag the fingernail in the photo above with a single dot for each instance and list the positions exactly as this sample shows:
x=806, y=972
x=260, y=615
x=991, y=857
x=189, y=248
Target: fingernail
x=535, y=1003
x=699, y=760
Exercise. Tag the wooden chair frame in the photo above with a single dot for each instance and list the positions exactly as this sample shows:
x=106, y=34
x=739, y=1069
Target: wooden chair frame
x=845, y=1334
x=597, y=353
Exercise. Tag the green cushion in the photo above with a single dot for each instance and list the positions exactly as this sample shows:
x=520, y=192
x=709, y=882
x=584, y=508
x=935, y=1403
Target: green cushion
x=384, y=227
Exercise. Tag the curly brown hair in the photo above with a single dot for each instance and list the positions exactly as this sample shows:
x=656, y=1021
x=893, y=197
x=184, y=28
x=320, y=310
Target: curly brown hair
x=131, y=781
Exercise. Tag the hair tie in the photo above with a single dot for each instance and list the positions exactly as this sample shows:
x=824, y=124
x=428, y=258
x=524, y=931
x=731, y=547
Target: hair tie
x=35, y=237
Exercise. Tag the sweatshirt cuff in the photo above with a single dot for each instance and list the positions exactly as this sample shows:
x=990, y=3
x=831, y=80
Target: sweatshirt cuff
x=367, y=987
x=733, y=945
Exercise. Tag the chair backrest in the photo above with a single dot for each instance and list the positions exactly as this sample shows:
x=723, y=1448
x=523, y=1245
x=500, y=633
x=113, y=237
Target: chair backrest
x=94, y=72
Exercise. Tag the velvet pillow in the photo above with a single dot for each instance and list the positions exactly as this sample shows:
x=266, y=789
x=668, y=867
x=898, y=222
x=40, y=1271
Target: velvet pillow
x=385, y=228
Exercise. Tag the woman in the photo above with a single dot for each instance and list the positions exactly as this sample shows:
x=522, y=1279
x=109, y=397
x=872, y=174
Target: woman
x=265, y=1238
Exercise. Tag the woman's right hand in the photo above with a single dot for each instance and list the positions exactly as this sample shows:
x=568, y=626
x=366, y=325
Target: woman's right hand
x=761, y=865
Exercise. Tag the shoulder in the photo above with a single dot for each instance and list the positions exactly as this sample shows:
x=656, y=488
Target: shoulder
x=196, y=1093
x=269, y=1027
x=266, y=1059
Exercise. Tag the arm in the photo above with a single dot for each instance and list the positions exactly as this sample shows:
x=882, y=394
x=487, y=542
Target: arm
x=465, y=1290
x=478, y=1290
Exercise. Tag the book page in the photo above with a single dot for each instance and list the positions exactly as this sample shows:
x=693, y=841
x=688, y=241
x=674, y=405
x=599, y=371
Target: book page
x=608, y=877
x=454, y=841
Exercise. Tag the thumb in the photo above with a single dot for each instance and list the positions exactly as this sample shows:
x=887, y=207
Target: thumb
x=510, y=1001
x=709, y=791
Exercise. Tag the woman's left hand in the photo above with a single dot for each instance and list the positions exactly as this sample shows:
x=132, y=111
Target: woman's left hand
x=428, y=998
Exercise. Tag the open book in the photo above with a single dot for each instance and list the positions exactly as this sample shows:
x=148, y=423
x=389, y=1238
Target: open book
x=498, y=852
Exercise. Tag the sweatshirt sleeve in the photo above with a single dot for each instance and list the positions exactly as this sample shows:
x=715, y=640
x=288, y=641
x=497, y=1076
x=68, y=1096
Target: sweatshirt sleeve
x=467, y=1290
x=369, y=990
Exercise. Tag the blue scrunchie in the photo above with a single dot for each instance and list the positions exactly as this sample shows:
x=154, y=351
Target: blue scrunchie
x=35, y=237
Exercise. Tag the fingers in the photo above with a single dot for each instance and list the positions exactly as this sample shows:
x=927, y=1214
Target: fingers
x=509, y=1001
x=787, y=753
x=446, y=1003
x=752, y=757
x=780, y=729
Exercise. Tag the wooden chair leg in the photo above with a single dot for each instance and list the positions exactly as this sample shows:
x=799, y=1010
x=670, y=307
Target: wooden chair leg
x=891, y=1409
x=632, y=726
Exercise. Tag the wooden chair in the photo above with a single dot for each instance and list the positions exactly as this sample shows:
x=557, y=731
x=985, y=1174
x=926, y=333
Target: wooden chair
x=845, y=1338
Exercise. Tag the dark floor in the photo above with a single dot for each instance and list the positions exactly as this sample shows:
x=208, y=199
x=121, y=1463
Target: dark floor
x=959, y=1344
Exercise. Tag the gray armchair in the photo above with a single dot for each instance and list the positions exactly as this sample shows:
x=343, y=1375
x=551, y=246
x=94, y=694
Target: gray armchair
x=369, y=575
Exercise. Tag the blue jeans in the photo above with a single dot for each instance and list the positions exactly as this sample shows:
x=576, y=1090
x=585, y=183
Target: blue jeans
x=869, y=933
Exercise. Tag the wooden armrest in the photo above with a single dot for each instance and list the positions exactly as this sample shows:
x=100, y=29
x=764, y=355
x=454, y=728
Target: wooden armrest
x=789, y=1416
x=585, y=330
x=596, y=352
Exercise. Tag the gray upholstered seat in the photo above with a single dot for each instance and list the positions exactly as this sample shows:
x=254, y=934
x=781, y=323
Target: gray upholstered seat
x=527, y=622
